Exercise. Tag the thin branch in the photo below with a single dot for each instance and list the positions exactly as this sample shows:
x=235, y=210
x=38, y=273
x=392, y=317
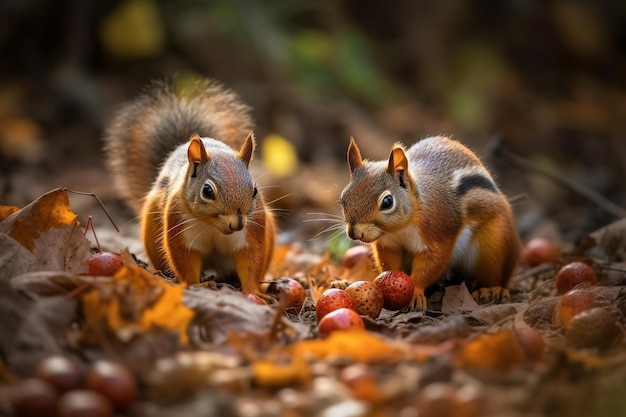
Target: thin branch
x=498, y=149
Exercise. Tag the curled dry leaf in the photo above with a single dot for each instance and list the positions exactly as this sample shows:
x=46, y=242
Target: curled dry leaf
x=134, y=302
x=49, y=229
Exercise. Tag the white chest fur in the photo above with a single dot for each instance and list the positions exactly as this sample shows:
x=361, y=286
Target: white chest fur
x=407, y=238
x=208, y=240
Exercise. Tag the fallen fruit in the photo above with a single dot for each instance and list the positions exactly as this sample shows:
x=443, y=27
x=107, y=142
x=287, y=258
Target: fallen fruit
x=573, y=274
x=355, y=254
x=573, y=302
x=104, y=263
x=84, y=403
x=331, y=300
x=539, y=250
x=367, y=296
x=531, y=341
x=61, y=373
x=340, y=319
x=33, y=398
x=114, y=382
x=595, y=327
x=437, y=400
x=290, y=290
x=397, y=288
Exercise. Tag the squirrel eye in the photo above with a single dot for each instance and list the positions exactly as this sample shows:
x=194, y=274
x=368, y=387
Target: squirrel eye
x=207, y=192
x=255, y=192
x=387, y=202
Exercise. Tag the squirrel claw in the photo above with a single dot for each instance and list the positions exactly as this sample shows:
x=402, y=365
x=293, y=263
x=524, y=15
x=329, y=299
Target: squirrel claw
x=418, y=302
x=491, y=295
x=342, y=284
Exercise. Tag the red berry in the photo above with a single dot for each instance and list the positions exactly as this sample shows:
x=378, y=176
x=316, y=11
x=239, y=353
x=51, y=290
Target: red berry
x=84, y=403
x=367, y=296
x=331, y=300
x=289, y=289
x=538, y=251
x=340, y=319
x=113, y=381
x=33, y=398
x=573, y=274
x=573, y=302
x=104, y=263
x=531, y=341
x=355, y=254
x=397, y=288
x=60, y=372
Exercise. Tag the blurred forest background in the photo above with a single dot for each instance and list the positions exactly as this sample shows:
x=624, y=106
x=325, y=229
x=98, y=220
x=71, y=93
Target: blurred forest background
x=546, y=76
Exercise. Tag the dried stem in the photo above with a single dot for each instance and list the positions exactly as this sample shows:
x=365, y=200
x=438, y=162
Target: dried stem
x=498, y=149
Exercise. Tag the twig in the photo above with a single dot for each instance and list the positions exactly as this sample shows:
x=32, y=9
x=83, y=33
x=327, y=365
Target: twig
x=498, y=149
x=99, y=202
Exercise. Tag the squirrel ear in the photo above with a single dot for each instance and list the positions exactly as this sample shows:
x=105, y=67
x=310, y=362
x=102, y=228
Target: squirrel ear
x=354, y=156
x=247, y=149
x=196, y=152
x=397, y=161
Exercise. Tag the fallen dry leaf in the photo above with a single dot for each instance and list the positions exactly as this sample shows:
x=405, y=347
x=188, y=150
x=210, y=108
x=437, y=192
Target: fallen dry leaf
x=134, y=302
x=457, y=299
x=49, y=229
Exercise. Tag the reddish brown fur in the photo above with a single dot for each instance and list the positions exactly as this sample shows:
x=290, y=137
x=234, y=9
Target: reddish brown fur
x=438, y=215
x=139, y=141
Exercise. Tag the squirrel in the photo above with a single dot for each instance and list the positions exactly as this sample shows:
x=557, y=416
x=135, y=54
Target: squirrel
x=429, y=209
x=198, y=203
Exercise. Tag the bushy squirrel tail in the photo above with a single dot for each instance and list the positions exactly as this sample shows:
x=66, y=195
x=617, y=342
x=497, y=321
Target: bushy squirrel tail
x=146, y=129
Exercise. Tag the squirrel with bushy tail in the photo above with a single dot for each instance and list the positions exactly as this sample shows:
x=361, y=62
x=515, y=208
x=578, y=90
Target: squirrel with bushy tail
x=180, y=158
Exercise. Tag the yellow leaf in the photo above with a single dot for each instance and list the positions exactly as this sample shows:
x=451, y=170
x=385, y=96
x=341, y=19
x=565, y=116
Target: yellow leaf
x=276, y=375
x=350, y=344
x=137, y=302
x=279, y=155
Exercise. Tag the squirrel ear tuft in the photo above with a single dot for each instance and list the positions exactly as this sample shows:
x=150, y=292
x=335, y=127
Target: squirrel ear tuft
x=397, y=161
x=247, y=149
x=196, y=152
x=354, y=156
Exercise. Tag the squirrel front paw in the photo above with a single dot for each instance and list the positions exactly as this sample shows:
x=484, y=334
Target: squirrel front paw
x=491, y=295
x=418, y=302
x=342, y=284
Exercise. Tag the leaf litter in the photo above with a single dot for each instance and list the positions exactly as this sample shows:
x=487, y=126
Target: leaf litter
x=200, y=347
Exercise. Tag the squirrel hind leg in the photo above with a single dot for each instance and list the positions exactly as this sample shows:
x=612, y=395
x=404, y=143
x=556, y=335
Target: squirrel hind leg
x=495, y=259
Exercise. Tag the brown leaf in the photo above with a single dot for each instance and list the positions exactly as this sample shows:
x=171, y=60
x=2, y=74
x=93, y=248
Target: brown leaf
x=223, y=312
x=6, y=211
x=134, y=302
x=49, y=229
x=456, y=299
x=32, y=329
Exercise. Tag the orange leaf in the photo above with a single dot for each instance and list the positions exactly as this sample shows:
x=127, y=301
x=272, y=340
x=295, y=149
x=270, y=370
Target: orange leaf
x=275, y=375
x=51, y=210
x=6, y=211
x=136, y=302
x=350, y=344
x=498, y=351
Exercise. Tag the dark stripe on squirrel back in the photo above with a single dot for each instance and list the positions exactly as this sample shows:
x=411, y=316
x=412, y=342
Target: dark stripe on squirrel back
x=466, y=184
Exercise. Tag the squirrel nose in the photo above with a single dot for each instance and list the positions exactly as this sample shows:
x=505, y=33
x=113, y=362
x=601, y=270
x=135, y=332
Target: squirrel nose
x=237, y=224
x=352, y=232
